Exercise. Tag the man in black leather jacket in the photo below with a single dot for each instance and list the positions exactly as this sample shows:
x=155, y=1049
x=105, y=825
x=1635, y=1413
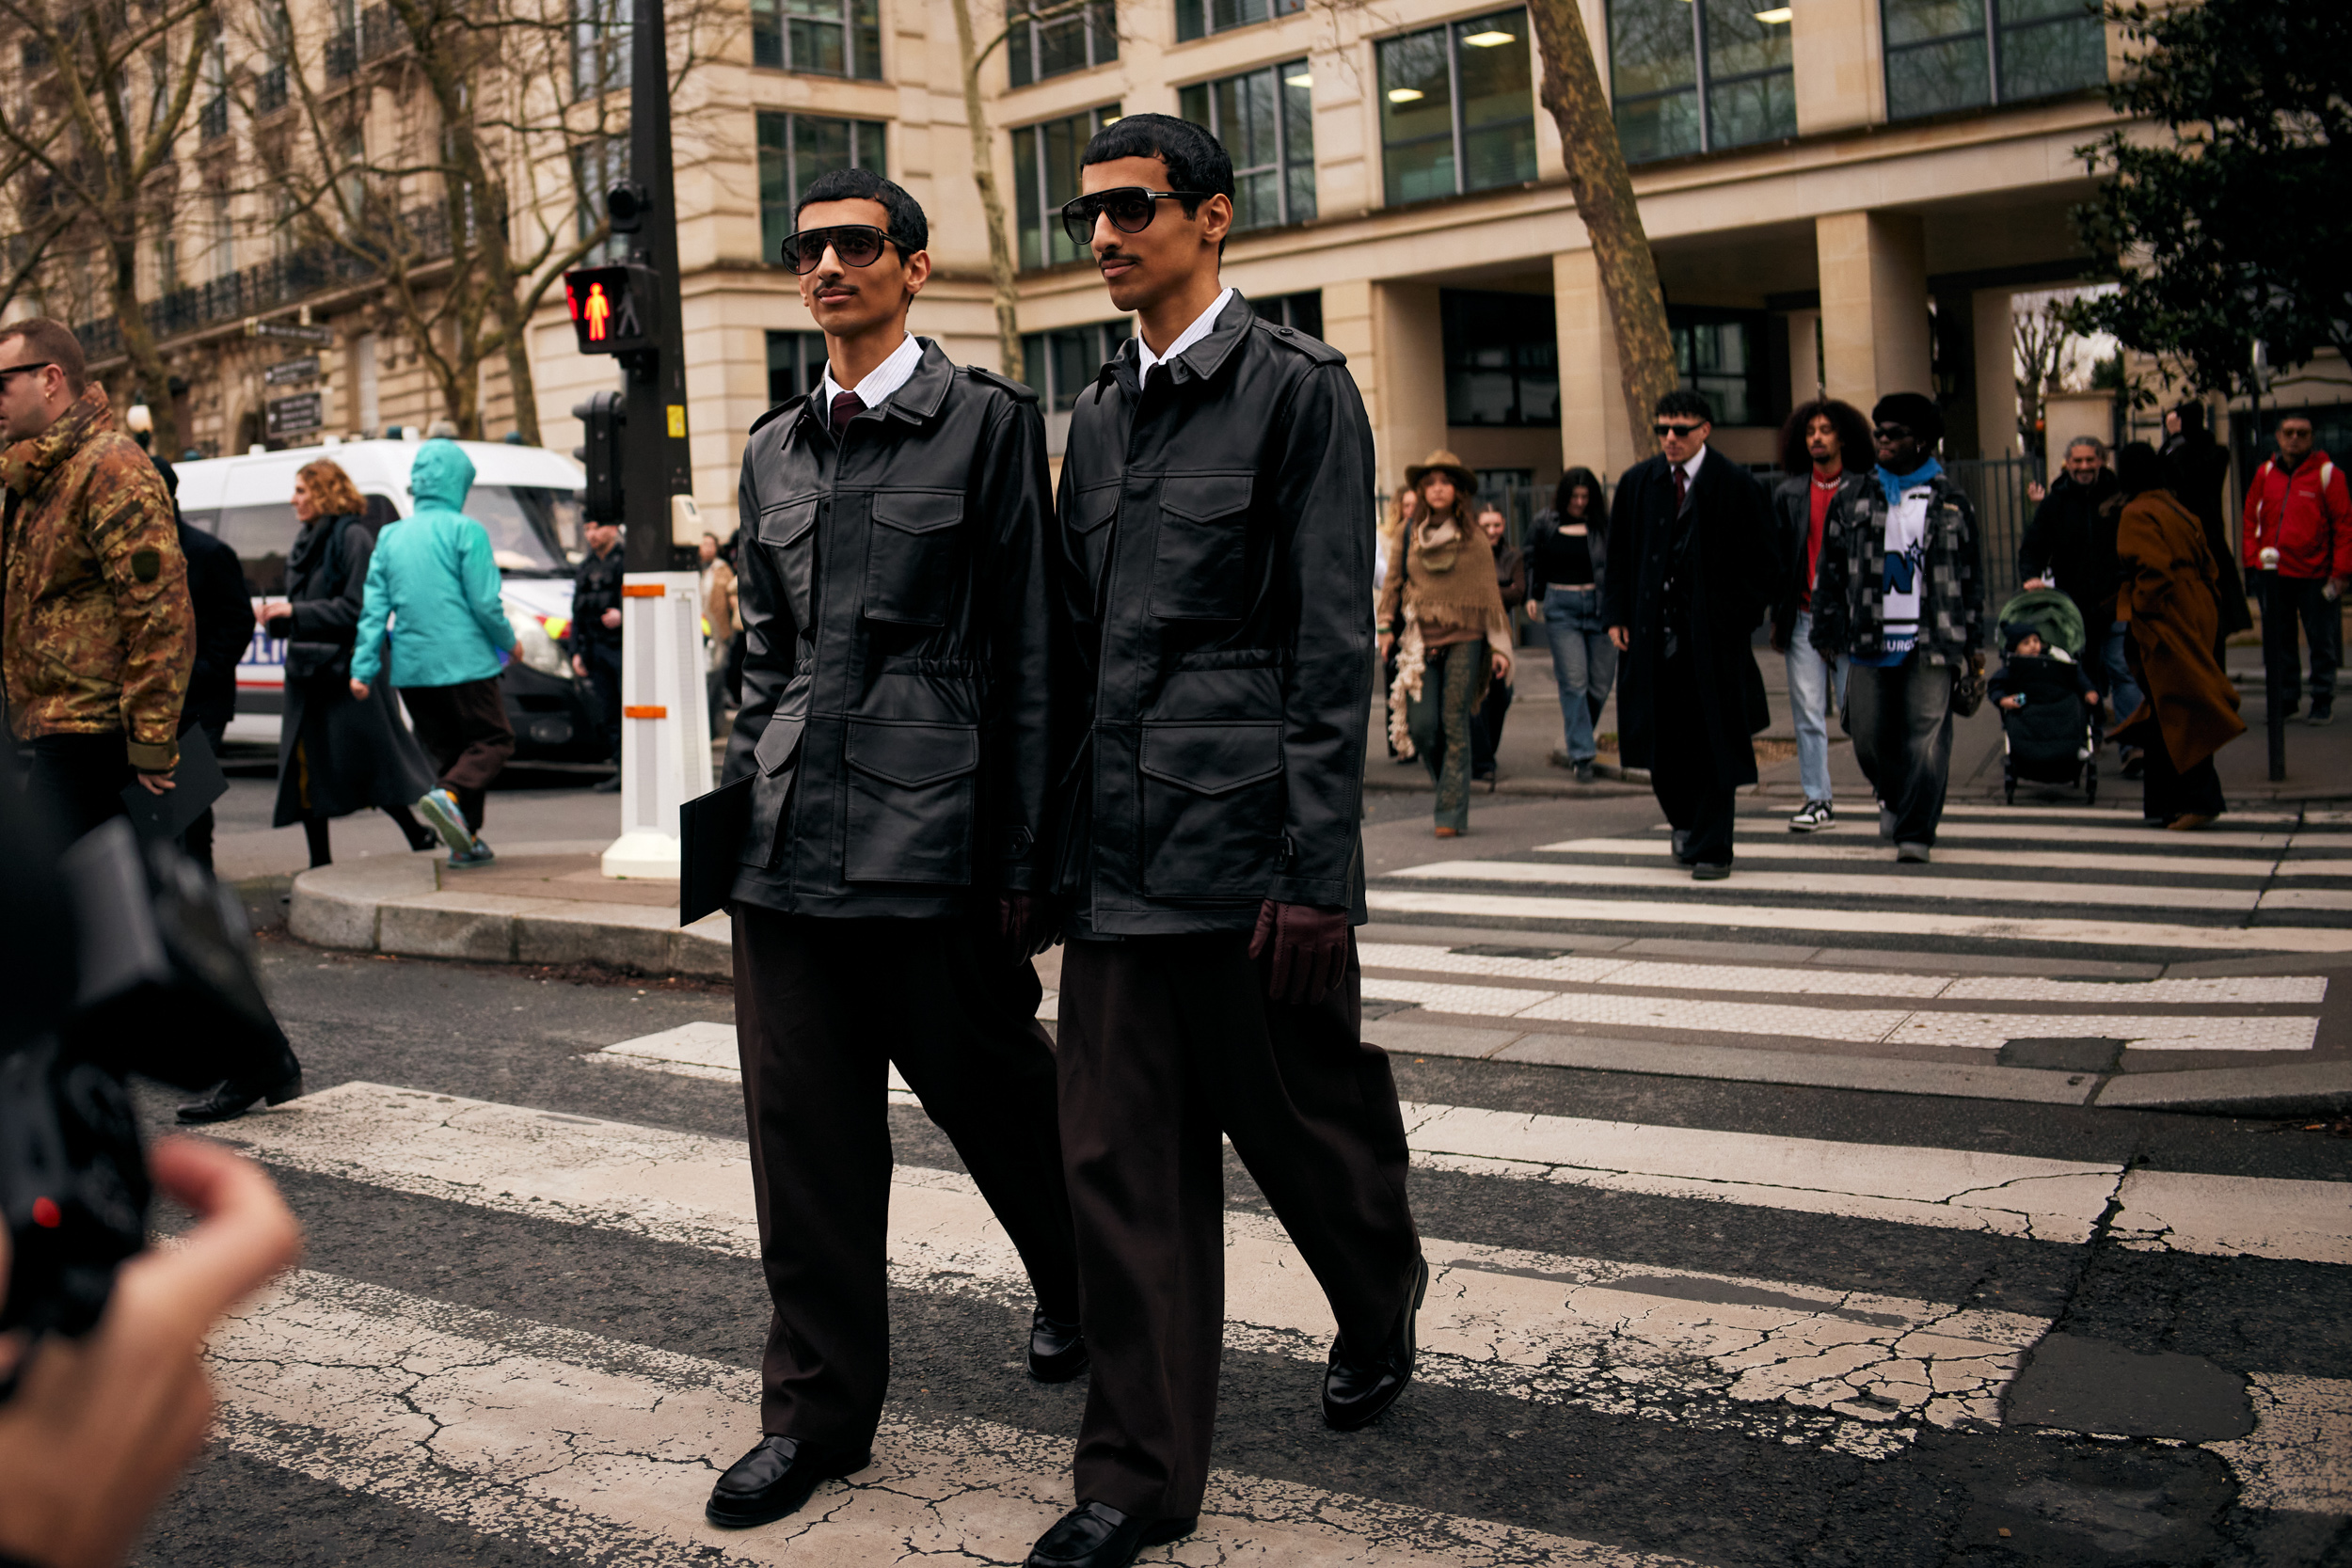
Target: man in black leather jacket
x=894, y=726
x=1215, y=571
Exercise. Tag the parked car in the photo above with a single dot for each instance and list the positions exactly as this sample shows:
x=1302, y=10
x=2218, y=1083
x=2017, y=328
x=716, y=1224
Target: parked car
x=527, y=497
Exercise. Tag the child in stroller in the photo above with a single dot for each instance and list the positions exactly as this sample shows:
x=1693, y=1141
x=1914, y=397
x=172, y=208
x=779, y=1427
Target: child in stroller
x=2049, y=708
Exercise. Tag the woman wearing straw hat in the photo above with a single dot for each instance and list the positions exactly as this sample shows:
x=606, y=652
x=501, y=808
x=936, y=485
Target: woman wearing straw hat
x=1442, y=613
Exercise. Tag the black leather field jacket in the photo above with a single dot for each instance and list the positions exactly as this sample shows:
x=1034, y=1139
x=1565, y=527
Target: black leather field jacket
x=1214, y=563
x=896, y=691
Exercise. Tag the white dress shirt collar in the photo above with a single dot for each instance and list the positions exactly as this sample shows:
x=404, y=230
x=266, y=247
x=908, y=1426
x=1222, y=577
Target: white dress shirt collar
x=882, y=380
x=1690, y=469
x=1202, y=324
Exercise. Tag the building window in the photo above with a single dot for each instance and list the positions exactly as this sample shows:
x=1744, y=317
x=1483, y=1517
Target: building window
x=795, y=150
x=1944, y=54
x=1063, y=364
x=1199, y=18
x=1720, y=356
x=600, y=47
x=1302, y=311
x=1502, y=358
x=596, y=167
x=1071, y=41
x=1697, y=78
x=796, y=362
x=1457, y=108
x=826, y=37
x=1266, y=121
x=1045, y=175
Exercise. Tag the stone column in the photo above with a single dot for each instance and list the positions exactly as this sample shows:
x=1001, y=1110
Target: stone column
x=1874, y=306
x=1409, y=354
x=1593, y=429
x=1996, y=374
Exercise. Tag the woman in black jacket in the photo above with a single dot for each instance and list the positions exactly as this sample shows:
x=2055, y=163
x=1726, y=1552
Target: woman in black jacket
x=2196, y=470
x=1566, y=550
x=336, y=753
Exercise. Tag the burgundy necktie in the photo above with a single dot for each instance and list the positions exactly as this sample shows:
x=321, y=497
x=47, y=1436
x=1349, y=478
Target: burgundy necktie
x=1682, y=479
x=846, y=406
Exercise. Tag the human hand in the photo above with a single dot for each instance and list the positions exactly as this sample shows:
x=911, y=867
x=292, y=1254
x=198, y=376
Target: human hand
x=1501, y=664
x=2036, y=582
x=359, y=689
x=1387, y=640
x=2036, y=490
x=1306, y=950
x=1025, y=923
x=611, y=619
x=157, y=783
x=2013, y=702
x=580, y=666
x=1535, y=609
x=1621, y=639
x=100, y=1428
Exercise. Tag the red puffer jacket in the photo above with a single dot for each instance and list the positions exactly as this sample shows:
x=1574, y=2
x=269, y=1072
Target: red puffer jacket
x=2305, y=516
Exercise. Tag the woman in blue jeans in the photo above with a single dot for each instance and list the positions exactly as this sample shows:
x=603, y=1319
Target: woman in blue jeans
x=1564, y=559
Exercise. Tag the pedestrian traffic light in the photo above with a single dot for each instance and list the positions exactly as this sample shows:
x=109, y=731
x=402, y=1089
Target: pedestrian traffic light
x=603, y=417
x=611, y=306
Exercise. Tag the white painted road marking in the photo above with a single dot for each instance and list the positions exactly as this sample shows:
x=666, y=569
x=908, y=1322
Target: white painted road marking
x=1852, y=851
x=1892, y=884
x=2235, y=1216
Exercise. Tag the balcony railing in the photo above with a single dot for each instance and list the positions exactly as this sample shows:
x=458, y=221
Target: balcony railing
x=212, y=121
x=342, y=54
x=272, y=284
x=269, y=90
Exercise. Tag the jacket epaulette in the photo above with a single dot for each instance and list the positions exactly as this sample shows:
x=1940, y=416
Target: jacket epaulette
x=1313, y=348
x=989, y=377
x=784, y=408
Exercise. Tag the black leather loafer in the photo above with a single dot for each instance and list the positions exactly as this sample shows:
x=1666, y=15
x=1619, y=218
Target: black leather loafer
x=1355, y=1392
x=229, y=1098
x=776, y=1479
x=1096, y=1535
x=1057, y=1351
x=1682, y=849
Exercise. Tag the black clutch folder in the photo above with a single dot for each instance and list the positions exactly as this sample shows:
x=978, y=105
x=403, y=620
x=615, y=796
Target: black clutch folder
x=710, y=838
x=199, y=783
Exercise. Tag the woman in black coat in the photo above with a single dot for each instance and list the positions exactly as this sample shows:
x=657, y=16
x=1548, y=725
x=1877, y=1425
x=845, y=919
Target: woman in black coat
x=2195, y=471
x=336, y=754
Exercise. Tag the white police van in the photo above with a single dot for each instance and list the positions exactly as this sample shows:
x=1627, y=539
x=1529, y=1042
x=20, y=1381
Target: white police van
x=527, y=498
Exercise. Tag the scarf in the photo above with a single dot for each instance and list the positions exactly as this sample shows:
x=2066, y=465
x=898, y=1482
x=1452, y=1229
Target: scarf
x=1895, y=484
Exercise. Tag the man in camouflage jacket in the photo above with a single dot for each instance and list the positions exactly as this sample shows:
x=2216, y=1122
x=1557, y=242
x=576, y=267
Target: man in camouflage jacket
x=97, y=635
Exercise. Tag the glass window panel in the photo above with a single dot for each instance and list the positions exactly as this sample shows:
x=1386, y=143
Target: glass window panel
x=1192, y=103
x=1027, y=215
x=1761, y=108
x=1498, y=83
x=1651, y=47
x=795, y=360
x=1918, y=20
x=1419, y=170
x=1298, y=185
x=1934, y=77
x=1416, y=91
x=1498, y=155
x=767, y=35
x=1739, y=43
x=1501, y=357
x=1257, y=200
x=1061, y=45
x=817, y=46
x=776, y=186
x=1064, y=140
x=866, y=17
x=818, y=146
x=1076, y=360
x=1105, y=21
x=1652, y=128
x=2052, y=56
x=1188, y=20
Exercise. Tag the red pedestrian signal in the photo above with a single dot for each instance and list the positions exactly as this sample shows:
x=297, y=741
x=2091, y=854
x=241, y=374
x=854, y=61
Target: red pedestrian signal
x=609, y=306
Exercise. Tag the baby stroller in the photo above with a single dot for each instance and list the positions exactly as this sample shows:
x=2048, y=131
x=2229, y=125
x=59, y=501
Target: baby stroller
x=2048, y=741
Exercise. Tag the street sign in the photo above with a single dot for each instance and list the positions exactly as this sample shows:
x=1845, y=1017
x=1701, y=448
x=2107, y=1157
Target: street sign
x=295, y=416
x=611, y=308
x=291, y=332
x=292, y=373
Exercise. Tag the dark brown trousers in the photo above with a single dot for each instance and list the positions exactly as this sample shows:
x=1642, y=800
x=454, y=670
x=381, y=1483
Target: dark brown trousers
x=821, y=1008
x=1166, y=1043
x=462, y=728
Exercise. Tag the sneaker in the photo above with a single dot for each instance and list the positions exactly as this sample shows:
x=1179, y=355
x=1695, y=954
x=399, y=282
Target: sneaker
x=476, y=853
x=2319, y=717
x=1886, y=821
x=1812, y=818
x=1584, y=771
x=1561, y=759
x=1914, y=854
x=439, y=808
x=2135, y=766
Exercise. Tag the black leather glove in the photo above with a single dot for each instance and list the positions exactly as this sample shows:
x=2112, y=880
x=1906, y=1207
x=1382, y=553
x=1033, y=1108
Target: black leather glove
x=1026, y=924
x=1306, y=947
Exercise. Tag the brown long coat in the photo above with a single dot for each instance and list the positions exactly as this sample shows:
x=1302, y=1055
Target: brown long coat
x=2168, y=601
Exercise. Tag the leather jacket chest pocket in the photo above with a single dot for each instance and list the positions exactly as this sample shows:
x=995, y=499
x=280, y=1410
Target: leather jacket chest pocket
x=1200, y=565
x=1088, y=511
x=913, y=556
x=788, y=532
x=1212, y=800
x=910, y=802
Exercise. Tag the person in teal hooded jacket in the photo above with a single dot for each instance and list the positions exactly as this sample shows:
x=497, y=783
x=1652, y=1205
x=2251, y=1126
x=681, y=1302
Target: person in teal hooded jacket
x=433, y=579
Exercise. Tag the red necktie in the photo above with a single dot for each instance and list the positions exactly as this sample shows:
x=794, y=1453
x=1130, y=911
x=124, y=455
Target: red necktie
x=847, y=407
x=1682, y=480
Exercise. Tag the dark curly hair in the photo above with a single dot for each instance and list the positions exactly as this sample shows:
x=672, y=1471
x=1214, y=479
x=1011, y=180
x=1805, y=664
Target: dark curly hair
x=1855, y=448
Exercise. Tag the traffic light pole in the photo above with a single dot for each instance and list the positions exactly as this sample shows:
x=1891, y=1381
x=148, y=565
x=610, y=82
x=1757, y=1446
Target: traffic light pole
x=665, y=724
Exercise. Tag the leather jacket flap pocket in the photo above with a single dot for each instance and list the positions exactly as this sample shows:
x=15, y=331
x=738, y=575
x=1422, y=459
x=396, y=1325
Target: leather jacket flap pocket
x=1204, y=497
x=784, y=523
x=778, y=744
x=917, y=512
x=913, y=755
x=1091, y=509
x=1212, y=759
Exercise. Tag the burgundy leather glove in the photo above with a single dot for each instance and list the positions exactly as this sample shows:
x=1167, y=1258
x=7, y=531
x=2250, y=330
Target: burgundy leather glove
x=1025, y=923
x=1306, y=948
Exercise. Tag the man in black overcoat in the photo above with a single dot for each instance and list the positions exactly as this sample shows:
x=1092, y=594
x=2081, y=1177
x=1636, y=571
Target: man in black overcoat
x=1691, y=568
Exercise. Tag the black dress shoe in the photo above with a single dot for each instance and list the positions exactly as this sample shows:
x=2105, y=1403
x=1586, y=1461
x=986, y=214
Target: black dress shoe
x=1355, y=1392
x=231, y=1098
x=776, y=1479
x=1057, y=1351
x=1682, y=849
x=1096, y=1535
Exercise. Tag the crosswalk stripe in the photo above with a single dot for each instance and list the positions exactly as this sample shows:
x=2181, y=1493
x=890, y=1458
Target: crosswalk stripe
x=591, y=1445
x=2235, y=1216
x=2299, y=1457
x=2109, y=817
x=1964, y=1031
x=1638, y=973
x=1718, y=912
x=1889, y=884
x=2054, y=833
x=2014, y=860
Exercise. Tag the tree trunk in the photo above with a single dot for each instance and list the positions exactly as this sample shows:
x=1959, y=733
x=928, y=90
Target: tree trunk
x=138, y=343
x=1000, y=268
x=1603, y=189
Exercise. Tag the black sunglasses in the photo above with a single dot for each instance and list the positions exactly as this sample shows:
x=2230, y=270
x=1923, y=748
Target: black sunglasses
x=1663, y=429
x=1893, y=433
x=1130, y=209
x=858, y=245
x=7, y=371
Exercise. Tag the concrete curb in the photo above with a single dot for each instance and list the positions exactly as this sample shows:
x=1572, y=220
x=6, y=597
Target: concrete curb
x=2295, y=1089
x=413, y=906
